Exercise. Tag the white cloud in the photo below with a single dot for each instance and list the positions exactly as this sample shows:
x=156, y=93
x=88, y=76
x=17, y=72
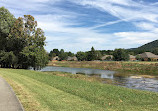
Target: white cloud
x=110, y=23
x=136, y=37
x=156, y=3
x=42, y=1
x=145, y=25
x=133, y=11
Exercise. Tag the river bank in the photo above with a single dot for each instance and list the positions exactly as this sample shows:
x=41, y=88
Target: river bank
x=143, y=68
x=129, y=80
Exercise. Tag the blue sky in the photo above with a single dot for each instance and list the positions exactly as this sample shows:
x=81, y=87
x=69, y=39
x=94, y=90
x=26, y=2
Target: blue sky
x=77, y=25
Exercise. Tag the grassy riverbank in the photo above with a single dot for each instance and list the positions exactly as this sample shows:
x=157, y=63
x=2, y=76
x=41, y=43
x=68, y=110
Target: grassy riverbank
x=47, y=92
x=147, y=68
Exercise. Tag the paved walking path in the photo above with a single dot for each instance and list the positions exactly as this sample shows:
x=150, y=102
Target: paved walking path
x=8, y=99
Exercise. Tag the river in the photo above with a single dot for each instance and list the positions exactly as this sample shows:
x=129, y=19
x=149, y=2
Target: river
x=130, y=80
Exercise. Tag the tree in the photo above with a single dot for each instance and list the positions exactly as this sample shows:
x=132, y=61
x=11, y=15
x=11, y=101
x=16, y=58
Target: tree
x=28, y=42
x=155, y=51
x=131, y=53
x=36, y=57
x=70, y=54
x=81, y=56
x=138, y=57
x=98, y=55
x=21, y=42
x=93, y=55
x=63, y=55
x=120, y=55
x=53, y=53
x=106, y=52
x=6, y=22
x=56, y=51
x=8, y=59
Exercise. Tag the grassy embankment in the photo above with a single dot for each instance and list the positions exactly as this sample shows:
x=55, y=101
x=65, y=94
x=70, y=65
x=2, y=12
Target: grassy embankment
x=148, y=68
x=39, y=91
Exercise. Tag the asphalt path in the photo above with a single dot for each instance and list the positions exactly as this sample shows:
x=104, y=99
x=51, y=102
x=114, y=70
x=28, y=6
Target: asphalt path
x=8, y=99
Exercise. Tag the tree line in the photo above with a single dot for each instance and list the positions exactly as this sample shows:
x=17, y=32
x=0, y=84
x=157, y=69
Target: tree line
x=118, y=54
x=21, y=42
x=61, y=54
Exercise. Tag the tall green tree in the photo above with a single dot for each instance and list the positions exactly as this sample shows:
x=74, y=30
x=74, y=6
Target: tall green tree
x=6, y=22
x=55, y=51
x=81, y=56
x=120, y=55
x=70, y=54
x=93, y=55
x=28, y=42
x=63, y=55
x=21, y=42
x=36, y=57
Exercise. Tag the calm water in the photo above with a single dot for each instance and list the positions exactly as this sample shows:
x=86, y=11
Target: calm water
x=150, y=84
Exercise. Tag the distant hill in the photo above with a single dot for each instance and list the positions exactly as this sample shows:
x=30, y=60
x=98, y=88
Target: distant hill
x=146, y=47
x=149, y=46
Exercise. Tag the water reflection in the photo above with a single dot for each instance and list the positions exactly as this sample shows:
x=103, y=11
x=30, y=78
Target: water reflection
x=135, y=82
x=103, y=73
x=111, y=76
x=150, y=84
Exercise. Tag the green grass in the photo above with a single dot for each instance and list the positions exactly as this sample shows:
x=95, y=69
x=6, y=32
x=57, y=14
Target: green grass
x=45, y=92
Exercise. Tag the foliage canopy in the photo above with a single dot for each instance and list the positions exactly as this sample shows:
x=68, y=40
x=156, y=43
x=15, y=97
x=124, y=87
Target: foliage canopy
x=24, y=42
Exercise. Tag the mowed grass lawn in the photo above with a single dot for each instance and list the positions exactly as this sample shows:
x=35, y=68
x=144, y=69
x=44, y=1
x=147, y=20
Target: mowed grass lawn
x=39, y=91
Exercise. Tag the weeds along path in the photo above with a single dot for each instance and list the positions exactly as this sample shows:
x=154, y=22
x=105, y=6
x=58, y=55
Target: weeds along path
x=60, y=93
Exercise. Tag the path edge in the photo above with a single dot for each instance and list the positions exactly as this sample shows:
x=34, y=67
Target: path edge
x=14, y=94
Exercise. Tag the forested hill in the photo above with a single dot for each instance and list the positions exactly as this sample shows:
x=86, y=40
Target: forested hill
x=149, y=46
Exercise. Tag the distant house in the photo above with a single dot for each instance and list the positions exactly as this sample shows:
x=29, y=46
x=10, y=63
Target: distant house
x=148, y=56
x=132, y=58
x=107, y=57
x=56, y=58
x=72, y=58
